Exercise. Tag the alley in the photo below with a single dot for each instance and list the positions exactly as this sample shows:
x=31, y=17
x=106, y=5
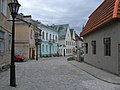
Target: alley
x=52, y=74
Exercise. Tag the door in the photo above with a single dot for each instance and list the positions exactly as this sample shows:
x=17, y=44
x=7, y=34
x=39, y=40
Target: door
x=30, y=53
x=64, y=52
x=33, y=53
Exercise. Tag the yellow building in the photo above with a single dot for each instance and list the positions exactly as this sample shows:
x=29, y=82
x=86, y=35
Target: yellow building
x=25, y=36
x=5, y=34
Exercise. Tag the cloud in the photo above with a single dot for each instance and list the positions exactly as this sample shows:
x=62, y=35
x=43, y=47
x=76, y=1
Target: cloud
x=73, y=12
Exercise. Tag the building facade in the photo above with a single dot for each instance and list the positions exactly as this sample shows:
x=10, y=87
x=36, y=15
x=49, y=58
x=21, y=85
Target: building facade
x=26, y=28
x=66, y=39
x=49, y=45
x=79, y=48
x=101, y=37
x=79, y=41
x=5, y=34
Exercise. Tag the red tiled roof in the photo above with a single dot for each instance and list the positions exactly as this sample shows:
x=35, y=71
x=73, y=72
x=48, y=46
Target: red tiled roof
x=107, y=11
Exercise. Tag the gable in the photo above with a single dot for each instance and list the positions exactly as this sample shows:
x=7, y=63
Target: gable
x=62, y=30
x=68, y=35
x=73, y=37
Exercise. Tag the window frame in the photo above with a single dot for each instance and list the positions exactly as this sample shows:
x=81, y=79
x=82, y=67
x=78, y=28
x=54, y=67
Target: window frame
x=2, y=42
x=86, y=48
x=3, y=7
x=46, y=36
x=10, y=42
x=107, y=46
x=43, y=35
x=93, y=43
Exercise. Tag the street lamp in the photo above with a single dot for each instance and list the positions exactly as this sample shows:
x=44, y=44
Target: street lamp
x=37, y=41
x=40, y=42
x=14, y=7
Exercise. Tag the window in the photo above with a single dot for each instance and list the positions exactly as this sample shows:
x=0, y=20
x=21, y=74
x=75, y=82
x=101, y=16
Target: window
x=46, y=36
x=86, y=48
x=9, y=46
x=66, y=42
x=50, y=36
x=93, y=43
x=3, y=6
x=53, y=37
x=56, y=38
x=2, y=42
x=107, y=46
x=46, y=48
x=43, y=35
x=31, y=34
x=43, y=48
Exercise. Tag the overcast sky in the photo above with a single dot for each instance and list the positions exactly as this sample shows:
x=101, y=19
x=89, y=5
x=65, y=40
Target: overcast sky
x=72, y=12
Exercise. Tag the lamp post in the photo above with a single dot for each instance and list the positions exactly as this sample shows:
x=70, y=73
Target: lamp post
x=37, y=41
x=14, y=7
x=40, y=42
x=50, y=44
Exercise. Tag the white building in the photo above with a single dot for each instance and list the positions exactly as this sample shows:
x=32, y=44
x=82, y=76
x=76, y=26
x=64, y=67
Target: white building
x=66, y=39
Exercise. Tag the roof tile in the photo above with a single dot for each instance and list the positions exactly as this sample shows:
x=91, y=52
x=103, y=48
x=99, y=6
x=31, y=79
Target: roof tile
x=107, y=11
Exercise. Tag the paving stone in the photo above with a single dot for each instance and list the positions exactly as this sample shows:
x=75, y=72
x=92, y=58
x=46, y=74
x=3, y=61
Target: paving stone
x=52, y=74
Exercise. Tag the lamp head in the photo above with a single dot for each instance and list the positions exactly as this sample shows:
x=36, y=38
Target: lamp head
x=14, y=7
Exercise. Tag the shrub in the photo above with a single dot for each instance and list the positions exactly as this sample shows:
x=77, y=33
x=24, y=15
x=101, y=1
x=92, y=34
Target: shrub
x=71, y=58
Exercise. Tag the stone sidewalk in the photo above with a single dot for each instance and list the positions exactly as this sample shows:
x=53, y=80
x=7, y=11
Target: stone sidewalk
x=97, y=73
x=53, y=73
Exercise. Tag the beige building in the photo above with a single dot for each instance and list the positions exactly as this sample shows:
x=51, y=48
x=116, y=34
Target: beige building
x=5, y=34
x=26, y=28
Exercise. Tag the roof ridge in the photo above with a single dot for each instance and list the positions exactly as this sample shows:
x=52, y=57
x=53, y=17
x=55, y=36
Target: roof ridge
x=116, y=8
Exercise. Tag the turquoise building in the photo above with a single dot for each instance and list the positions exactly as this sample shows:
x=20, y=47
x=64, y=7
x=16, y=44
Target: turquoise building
x=49, y=44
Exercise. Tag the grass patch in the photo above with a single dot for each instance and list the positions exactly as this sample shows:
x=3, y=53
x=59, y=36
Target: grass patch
x=71, y=58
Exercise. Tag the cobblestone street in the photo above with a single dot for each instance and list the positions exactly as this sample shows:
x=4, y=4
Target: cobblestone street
x=52, y=74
